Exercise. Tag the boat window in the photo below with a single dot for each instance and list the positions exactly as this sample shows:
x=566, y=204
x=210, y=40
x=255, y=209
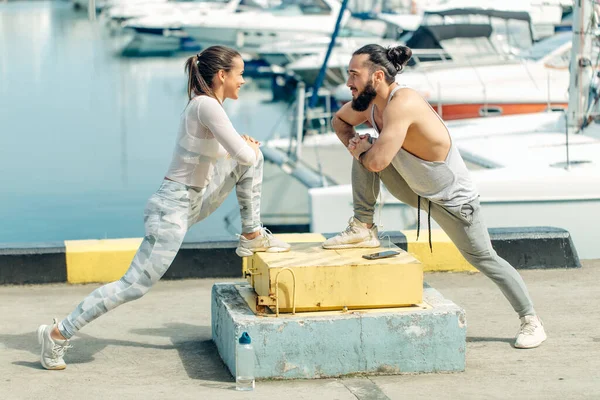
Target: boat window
x=314, y=7
x=459, y=47
x=403, y=38
x=300, y=7
x=351, y=32
x=436, y=19
x=511, y=35
x=546, y=46
x=244, y=4
x=361, y=28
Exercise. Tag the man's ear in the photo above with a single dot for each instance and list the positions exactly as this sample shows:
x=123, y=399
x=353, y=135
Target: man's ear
x=378, y=77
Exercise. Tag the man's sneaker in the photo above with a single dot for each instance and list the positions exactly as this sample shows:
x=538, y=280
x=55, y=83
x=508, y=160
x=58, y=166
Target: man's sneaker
x=52, y=350
x=263, y=242
x=356, y=235
x=531, y=334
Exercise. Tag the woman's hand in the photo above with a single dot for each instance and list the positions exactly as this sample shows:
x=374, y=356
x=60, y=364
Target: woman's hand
x=250, y=139
x=253, y=143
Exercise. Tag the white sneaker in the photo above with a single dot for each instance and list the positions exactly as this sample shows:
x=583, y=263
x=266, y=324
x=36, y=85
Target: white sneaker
x=531, y=334
x=356, y=235
x=263, y=242
x=52, y=350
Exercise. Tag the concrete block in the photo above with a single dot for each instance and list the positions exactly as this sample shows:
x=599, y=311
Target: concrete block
x=430, y=337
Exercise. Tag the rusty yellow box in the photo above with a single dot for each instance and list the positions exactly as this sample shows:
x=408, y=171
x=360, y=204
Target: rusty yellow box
x=334, y=279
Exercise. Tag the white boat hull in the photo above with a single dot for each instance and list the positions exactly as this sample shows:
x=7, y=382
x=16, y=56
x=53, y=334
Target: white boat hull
x=516, y=164
x=331, y=207
x=246, y=39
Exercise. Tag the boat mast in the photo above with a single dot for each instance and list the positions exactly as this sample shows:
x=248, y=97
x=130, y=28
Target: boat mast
x=323, y=70
x=580, y=66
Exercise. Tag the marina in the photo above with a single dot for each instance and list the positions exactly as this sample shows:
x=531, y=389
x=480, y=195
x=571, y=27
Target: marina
x=111, y=97
x=97, y=113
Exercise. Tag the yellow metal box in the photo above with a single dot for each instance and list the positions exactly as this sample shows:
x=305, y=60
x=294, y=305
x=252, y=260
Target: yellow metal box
x=334, y=279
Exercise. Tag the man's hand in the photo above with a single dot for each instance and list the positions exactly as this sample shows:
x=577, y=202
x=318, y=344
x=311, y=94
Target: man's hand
x=358, y=145
x=344, y=121
x=356, y=139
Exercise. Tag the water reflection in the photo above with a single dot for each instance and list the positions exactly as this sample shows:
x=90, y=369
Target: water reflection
x=87, y=134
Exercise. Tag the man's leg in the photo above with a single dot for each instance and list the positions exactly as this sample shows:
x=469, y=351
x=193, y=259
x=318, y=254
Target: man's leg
x=465, y=227
x=468, y=232
x=361, y=232
x=365, y=189
x=397, y=186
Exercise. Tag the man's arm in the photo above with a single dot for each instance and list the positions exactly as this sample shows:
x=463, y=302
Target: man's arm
x=344, y=121
x=397, y=118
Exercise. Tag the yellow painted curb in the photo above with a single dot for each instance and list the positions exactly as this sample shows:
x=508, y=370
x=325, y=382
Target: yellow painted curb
x=107, y=260
x=445, y=256
x=99, y=260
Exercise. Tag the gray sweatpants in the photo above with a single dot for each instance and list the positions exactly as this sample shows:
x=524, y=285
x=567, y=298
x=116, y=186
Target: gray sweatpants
x=170, y=212
x=463, y=224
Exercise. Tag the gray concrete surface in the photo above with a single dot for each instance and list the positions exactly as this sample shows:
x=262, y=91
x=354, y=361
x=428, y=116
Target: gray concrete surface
x=160, y=348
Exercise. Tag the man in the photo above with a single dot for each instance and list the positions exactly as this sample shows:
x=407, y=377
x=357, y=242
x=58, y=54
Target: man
x=415, y=158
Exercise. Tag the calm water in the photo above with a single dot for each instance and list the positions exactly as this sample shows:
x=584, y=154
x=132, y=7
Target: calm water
x=87, y=135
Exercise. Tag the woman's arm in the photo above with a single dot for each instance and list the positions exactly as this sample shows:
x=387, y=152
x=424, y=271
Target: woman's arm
x=212, y=115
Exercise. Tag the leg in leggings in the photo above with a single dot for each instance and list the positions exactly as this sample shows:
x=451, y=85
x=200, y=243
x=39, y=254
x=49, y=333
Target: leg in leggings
x=166, y=223
x=168, y=216
x=247, y=180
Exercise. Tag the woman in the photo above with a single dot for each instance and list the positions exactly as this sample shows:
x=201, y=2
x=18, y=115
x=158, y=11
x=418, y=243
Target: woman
x=210, y=159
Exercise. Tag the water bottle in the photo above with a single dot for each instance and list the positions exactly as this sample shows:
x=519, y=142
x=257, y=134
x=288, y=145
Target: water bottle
x=244, y=363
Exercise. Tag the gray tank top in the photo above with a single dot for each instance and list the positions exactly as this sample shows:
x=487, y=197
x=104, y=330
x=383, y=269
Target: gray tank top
x=447, y=183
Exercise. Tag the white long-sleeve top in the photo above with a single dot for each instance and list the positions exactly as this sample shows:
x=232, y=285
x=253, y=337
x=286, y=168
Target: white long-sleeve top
x=205, y=135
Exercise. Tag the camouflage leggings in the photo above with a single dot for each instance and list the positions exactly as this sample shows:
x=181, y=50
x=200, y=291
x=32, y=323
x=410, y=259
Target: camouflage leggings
x=170, y=212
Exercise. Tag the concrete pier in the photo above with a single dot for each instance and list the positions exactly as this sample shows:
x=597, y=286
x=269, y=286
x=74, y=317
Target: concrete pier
x=160, y=347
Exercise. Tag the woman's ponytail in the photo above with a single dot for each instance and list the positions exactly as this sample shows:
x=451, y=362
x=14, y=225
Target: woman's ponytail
x=202, y=68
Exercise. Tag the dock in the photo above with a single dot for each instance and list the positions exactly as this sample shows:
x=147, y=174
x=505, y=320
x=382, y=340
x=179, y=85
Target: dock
x=170, y=353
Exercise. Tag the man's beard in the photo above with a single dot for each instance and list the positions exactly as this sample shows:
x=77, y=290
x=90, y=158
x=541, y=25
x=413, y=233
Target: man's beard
x=362, y=101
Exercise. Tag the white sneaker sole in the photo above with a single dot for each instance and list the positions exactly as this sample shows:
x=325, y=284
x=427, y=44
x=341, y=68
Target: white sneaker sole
x=243, y=252
x=40, y=335
x=531, y=346
x=366, y=244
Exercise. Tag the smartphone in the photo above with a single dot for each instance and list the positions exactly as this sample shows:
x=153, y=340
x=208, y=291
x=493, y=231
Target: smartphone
x=383, y=254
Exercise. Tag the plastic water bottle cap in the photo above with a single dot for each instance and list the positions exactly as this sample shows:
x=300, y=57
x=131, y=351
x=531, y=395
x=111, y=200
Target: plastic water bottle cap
x=245, y=338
